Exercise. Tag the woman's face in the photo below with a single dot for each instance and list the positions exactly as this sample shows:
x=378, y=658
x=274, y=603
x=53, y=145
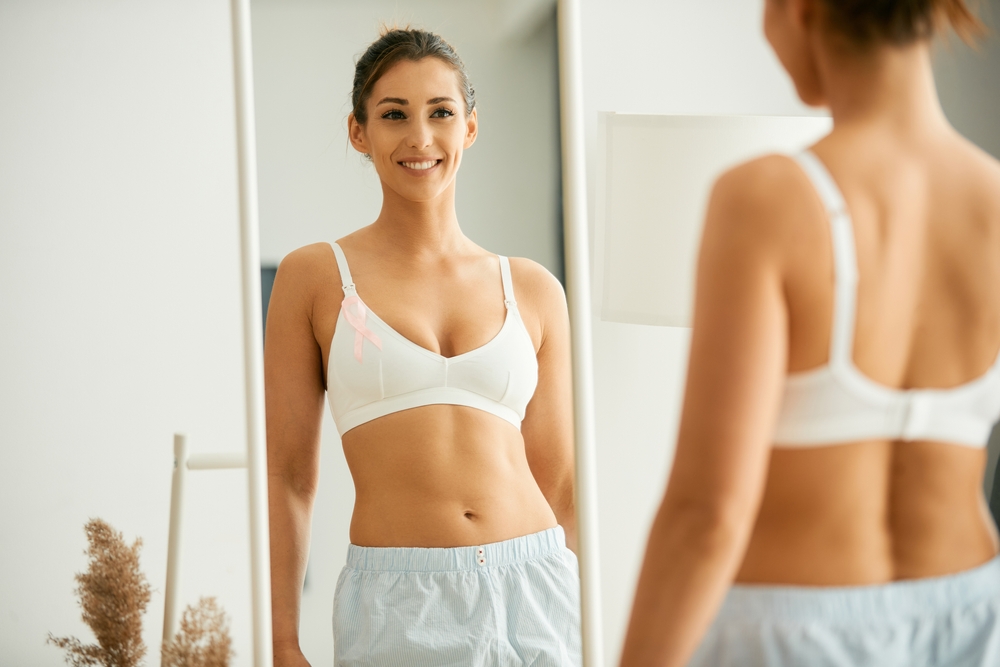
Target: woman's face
x=790, y=26
x=417, y=128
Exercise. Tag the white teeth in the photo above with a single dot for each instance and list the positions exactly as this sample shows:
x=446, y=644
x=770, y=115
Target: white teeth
x=420, y=165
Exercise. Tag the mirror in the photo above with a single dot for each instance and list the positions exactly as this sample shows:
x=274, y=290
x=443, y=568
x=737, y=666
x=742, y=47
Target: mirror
x=314, y=187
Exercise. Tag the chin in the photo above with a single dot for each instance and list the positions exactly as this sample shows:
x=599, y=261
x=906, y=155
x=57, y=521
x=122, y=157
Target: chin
x=421, y=196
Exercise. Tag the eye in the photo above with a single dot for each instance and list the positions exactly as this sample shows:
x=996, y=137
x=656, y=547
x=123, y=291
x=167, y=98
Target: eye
x=442, y=112
x=394, y=114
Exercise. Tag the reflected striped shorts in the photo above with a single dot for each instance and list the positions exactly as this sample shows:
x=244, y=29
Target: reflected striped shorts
x=510, y=603
x=951, y=621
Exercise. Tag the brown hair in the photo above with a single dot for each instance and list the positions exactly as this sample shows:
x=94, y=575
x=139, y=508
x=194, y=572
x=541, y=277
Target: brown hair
x=394, y=45
x=900, y=22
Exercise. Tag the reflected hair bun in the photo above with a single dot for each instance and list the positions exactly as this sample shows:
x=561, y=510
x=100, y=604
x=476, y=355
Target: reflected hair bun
x=900, y=22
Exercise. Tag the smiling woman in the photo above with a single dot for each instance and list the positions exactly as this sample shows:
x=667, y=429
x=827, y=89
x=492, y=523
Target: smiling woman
x=453, y=403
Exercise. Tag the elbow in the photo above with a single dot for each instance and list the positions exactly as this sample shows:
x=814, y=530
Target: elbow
x=292, y=481
x=705, y=525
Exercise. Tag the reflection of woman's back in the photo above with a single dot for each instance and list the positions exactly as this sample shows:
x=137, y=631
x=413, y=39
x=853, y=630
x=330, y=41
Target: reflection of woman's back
x=447, y=372
x=847, y=329
x=894, y=382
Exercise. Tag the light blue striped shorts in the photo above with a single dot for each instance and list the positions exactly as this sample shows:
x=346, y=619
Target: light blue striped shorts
x=515, y=602
x=952, y=620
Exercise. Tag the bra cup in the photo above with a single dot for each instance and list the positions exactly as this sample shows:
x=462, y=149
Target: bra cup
x=404, y=372
x=353, y=383
x=479, y=377
x=401, y=375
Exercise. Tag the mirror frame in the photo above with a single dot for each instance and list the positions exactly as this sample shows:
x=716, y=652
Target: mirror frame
x=576, y=235
x=577, y=257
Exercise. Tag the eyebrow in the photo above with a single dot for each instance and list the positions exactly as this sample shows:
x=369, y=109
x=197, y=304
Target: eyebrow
x=400, y=101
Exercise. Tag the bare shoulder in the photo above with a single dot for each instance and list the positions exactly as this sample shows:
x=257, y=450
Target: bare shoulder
x=763, y=204
x=304, y=270
x=541, y=300
x=764, y=192
x=536, y=284
x=308, y=263
x=982, y=174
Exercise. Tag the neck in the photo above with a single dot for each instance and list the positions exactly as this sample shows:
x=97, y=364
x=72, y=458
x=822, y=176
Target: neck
x=889, y=86
x=417, y=229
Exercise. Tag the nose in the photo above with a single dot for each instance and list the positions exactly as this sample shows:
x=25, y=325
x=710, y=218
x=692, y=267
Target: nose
x=420, y=136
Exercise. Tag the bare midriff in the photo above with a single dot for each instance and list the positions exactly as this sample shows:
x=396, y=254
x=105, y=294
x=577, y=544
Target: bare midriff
x=442, y=476
x=870, y=513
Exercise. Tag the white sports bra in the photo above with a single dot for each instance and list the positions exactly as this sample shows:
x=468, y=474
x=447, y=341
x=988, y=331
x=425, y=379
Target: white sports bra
x=375, y=371
x=837, y=404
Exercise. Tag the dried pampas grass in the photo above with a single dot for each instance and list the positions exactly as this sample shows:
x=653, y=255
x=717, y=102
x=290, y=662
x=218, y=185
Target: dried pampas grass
x=113, y=595
x=203, y=639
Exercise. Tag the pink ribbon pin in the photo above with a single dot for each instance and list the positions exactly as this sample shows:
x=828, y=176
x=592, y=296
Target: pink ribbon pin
x=358, y=322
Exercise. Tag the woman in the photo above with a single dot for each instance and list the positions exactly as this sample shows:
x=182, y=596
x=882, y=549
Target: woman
x=843, y=378
x=448, y=375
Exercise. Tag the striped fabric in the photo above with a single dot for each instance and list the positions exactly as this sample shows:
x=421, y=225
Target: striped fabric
x=951, y=621
x=510, y=603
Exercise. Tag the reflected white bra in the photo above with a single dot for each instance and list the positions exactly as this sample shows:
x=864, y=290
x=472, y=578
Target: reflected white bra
x=375, y=371
x=837, y=404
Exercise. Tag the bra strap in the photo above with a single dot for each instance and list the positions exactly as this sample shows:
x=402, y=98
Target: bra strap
x=508, y=284
x=844, y=258
x=345, y=271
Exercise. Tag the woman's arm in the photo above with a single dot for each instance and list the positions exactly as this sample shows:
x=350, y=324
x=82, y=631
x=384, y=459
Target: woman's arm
x=293, y=383
x=548, y=421
x=735, y=377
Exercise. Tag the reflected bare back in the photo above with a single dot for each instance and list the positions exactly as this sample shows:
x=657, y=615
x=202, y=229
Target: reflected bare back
x=928, y=316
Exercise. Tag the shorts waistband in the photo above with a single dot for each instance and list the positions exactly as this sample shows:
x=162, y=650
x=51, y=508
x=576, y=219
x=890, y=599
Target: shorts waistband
x=914, y=597
x=419, y=559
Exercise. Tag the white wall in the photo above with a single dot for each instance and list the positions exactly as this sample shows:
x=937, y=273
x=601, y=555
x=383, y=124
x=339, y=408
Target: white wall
x=119, y=304
x=314, y=187
x=968, y=81
x=709, y=57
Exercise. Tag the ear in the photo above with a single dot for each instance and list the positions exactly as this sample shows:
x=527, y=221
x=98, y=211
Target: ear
x=357, y=135
x=471, y=128
x=803, y=13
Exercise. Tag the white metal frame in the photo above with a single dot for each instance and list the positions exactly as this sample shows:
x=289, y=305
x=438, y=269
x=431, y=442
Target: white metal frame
x=182, y=463
x=253, y=337
x=576, y=236
x=255, y=459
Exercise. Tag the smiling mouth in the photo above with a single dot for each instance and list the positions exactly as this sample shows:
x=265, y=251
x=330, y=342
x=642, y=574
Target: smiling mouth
x=420, y=166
